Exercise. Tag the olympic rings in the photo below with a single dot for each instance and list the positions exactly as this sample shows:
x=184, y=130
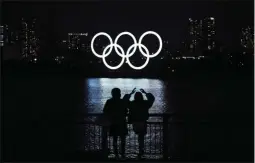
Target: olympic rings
x=128, y=54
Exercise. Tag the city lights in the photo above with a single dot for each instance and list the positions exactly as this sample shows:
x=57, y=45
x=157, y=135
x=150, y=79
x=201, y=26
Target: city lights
x=247, y=38
x=201, y=34
x=75, y=39
x=197, y=45
x=59, y=59
x=78, y=34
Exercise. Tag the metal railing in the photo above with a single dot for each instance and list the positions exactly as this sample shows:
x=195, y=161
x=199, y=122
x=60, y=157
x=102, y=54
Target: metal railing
x=156, y=139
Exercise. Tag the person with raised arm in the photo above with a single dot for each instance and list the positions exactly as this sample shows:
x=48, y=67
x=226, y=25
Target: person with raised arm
x=139, y=114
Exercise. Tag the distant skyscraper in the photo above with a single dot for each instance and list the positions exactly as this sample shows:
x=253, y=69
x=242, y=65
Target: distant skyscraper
x=1, y=36
x=209, y=33
x=201, y=35
x=247, y=38
x=17, y=36
x=75, y=40
x=29, y=41
x=33, y=48
x=195, y=34
x=6, y=34
x=24, y=38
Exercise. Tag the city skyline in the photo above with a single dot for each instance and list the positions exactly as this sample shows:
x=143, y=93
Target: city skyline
x=63, y=32
x=200, y=33
x=112, y=17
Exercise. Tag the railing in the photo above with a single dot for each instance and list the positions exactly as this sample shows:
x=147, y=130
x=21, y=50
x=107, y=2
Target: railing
x=156, y=139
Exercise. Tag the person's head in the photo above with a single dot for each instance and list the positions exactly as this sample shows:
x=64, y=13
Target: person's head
x=138, y=96
x=116, y=93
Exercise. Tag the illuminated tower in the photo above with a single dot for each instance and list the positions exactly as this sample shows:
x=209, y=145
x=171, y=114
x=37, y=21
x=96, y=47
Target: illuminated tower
x=33, y=41
x=6, y=34
x=209, y=33
x=29, y=41
x=1, y=36
x=247, y=38
x=24, y=39
x=74, y=41
x=195, y=34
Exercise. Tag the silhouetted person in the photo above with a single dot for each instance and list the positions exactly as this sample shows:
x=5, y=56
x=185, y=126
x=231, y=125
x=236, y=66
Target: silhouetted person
x=116, y=110
x=138, y=116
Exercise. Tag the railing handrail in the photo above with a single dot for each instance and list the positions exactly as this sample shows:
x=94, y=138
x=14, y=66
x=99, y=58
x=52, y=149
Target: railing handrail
x=150, y=114
x=165, y=118
x=165, y=122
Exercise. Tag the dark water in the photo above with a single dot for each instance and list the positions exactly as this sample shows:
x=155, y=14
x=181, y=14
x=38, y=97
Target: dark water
x=40, y=114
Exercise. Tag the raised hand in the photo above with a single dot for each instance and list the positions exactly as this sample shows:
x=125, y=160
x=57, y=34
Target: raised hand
x=142, y=90
x=133, y=91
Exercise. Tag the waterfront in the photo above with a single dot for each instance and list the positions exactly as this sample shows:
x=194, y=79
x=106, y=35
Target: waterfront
x=43, y=111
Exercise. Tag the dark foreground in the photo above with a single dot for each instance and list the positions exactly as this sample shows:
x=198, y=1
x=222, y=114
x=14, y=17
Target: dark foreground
x=40, y=115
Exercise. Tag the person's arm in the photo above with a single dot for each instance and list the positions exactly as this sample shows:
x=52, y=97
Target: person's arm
x=126, y=97
x=126, y=100
x=150, y=98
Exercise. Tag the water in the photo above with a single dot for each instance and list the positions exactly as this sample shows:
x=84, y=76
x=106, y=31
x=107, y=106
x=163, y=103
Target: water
x=98, y=90
x=170, y=96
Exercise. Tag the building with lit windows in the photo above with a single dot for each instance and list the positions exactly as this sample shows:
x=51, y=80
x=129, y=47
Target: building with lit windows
x=33, y=40
x=195, y=34
x=209, y=33
x=247, y=38
x=201, y=36
x=75, y=40
x=8, y=37
x=1, y=36
x=24, y=38
x=29, y=40
x=6, y=34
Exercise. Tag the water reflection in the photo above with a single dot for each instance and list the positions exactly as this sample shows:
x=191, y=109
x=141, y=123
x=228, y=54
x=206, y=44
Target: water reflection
x=99, y=90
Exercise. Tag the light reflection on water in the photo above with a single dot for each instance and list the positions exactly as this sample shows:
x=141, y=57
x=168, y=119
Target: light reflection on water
x=99, y=90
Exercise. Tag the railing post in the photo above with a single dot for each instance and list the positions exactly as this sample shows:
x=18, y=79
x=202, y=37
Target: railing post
x=165, y=137
x=105, y=142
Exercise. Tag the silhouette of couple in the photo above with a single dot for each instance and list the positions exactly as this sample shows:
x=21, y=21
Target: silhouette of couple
x=117, y=109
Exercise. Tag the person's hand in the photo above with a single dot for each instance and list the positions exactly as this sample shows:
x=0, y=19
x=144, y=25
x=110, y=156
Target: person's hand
x=142, y=90
x=133, y=91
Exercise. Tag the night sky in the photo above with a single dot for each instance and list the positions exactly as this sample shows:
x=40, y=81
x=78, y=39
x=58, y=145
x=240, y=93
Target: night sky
x=168, y=18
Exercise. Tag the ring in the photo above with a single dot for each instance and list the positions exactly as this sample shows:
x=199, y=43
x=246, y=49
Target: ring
x=120, y=51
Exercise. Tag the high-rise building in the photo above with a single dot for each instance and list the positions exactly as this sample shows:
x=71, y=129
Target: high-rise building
x=24, y=38
x=195, y=34
x=1, y=36
x=209, y=33
x=247, y=38
x=33, y=48
x=201, y=35
x=29, y=41
x=6, y=34
x=75, y=40
x=17, y=36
